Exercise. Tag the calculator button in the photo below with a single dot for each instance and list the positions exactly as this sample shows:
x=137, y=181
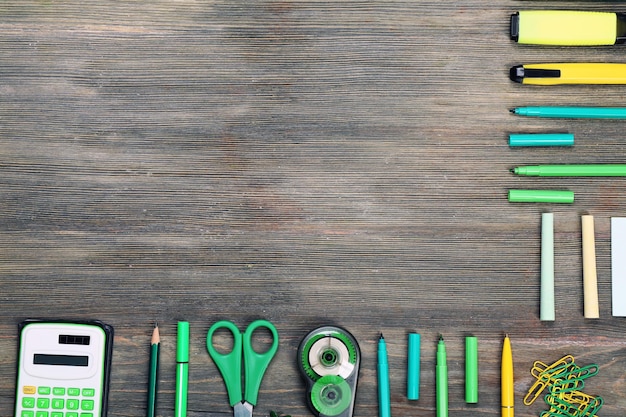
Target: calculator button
x=43, y=402
x=27, y=414
x=72, y=404
x=43, y=390
x=58, y=391
x=86, y=414
x=29, y=389
x=58, y=403
x=87, y=405
x=28, y=402
x=73, y=392
x=89, y=392
x=56, y=414
x=71, y=414
x=42, y=414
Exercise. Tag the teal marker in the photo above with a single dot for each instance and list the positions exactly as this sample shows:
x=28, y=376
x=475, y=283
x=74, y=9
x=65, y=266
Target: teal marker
x=572, y=112
x=541, y=139
x=600, y=170
x=384, y=393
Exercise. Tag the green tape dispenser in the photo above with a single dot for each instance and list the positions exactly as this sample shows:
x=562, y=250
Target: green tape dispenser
x=329, y=359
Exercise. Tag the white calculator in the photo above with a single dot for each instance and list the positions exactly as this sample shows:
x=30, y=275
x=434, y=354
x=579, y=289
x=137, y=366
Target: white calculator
x=63, y=369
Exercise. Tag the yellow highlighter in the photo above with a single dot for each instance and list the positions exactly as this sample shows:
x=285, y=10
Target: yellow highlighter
x=569, y=73
x=568, y=27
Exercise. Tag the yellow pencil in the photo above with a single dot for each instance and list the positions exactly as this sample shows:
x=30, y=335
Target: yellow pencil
x=507, y=386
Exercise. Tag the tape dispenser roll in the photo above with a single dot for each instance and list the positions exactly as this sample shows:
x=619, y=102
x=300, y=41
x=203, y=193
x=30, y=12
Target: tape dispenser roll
x=329, y=359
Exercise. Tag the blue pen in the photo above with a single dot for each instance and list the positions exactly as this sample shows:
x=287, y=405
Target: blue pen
x=384, y=396
x=572, y=112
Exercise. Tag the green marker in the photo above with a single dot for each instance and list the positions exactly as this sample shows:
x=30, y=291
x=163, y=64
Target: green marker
x=572, y=112
x=182, y=369
x=601, y=170
x=471, y=369
x=441, y=380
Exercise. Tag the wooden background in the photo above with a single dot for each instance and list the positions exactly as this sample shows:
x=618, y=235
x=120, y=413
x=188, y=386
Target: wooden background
x=306, y=162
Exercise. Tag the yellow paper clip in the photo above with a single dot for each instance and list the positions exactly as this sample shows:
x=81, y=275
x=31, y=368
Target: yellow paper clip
x=545, y=375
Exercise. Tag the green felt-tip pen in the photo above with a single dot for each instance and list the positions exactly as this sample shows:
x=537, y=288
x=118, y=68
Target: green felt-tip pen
x=182, y=369
x=566, y=112
x=599, y=170
x=441, y=379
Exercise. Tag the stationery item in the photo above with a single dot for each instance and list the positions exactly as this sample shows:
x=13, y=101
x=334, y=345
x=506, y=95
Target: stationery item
x=153, y=372
x=254, y=363
x=541, y=196
x=63, y=368
x=571, y=112
x=541, y=139
x=471, y=369
x=564, y=379
x=441, y=379
x=568, y=27
x=182, y=369
x=600, y=170
x=329, y=360
x=413, y=371
x=569, y=73
x=546, y=310
x=590, y=279
x=618, y=266
x=507, y=386
x=384, y=394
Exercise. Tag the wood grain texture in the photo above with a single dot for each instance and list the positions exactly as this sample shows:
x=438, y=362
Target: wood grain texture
x=307, y=162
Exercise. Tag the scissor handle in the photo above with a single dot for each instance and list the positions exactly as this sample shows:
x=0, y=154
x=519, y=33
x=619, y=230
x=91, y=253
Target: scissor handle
x=229, y=364
x=257, y=363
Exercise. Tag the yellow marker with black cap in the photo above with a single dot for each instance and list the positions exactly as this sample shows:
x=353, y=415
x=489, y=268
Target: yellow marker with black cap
x=568, y=27
x=569, y=73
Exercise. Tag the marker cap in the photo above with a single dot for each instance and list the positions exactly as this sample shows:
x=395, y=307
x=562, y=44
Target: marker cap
x=413, y=374
x=471, y=369
x=182, y=342
x=541, y=196
x=541, y=139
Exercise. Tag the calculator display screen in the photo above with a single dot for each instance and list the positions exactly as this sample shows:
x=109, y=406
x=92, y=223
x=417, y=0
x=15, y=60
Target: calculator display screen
x=63, y=360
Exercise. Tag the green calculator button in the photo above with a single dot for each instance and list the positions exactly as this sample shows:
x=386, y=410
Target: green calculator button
x=56, y=414
x=72, y=404
x=89, y=392
x=42, y=414
x=58, y=391
x=28, y=402
x=71, y=414
x=86, y=414
x=43, y=402
x=44, y=390
x=73, y=392
x=87, y=405
x=27, y=414
x=58, y=403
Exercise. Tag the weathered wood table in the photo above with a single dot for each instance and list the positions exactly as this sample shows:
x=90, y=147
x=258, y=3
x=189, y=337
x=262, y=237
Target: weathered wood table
x=306, y=162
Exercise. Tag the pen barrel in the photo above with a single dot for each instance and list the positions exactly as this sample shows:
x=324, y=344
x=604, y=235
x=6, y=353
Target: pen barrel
x=596, y=170
x=573, y=112
x=590, y=278
x=180, y=403
x=441, y=382
x=384, y=393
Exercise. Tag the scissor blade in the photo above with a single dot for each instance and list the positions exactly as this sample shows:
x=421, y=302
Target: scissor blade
x=243, y=409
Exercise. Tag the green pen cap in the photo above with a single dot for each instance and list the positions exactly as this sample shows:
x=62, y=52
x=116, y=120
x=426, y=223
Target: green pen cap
x=541, y=139
x=182, y=342
x=413, y=374
x=541, y=196
x=471, y=369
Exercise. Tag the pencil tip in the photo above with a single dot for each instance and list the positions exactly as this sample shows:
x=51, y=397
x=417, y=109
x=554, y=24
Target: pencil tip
x=156, y=337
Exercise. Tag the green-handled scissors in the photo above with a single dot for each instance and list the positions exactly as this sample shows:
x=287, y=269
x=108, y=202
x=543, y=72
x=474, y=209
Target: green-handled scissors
x=254, y=363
